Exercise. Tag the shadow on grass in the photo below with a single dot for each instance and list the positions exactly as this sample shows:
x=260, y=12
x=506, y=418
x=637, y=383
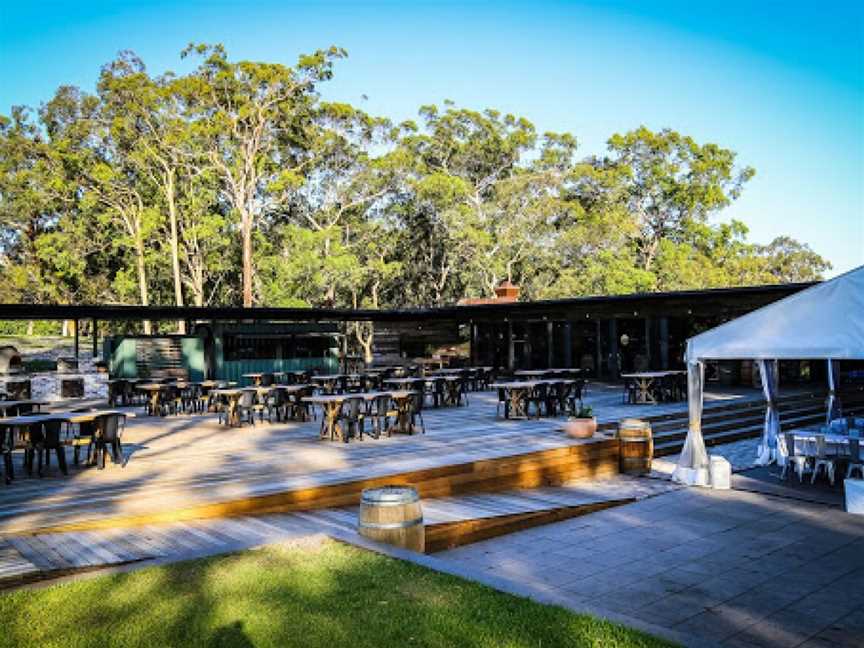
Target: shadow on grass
x=326, y=595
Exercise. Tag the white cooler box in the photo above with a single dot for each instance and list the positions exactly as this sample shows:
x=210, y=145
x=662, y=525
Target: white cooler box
x=721, y=472
x=854, y=495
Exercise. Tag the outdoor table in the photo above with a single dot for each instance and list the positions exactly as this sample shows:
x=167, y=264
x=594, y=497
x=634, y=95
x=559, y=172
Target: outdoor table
x=6, y=405
x=331, y=407
x=19, y=426
x=232, y=398
x=517, y=393
x=154, y=392
x=831, y=438
x=644, y=381
x=256, y=377
x=327, y=382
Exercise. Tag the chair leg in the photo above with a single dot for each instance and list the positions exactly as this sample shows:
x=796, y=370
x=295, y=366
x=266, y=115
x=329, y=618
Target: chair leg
x=61, y=459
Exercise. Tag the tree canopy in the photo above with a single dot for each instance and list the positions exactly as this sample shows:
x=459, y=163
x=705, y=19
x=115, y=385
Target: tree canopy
x=236, y=183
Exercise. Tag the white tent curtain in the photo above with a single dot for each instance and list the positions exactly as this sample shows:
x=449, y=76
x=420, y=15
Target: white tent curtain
x=770, y=450
x=692, y=468
x=832, y=406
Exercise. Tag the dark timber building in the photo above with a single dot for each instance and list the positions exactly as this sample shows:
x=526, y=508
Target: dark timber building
x=604, y=335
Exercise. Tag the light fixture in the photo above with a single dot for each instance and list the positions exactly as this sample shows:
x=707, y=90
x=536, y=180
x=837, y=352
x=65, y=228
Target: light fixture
x=625, y=339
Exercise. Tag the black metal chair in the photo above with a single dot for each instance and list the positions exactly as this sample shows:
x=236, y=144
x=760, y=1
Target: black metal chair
x=109, y=429
x=246, y=406
x=538, y=398
x=45, y=437
x=503, y=400
x=381, y=412
x=416, y=412
x=301, y=410
x=352, y=419
x=629, y=393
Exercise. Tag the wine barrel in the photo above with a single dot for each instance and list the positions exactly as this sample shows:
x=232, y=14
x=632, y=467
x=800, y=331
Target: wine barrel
x=392, y=514
x=636, y=446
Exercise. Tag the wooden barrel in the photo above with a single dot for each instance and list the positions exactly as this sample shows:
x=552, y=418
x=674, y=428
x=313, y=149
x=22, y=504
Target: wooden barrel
x=636, y=446
x=392, y=514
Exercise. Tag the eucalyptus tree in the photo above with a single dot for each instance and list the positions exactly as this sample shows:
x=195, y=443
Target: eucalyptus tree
x=256, y=121
x=672, y=182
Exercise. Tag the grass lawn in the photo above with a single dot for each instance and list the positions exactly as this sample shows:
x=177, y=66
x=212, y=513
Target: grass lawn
x=329, y=595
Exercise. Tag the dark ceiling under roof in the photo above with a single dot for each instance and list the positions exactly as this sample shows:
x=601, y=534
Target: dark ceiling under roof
x=489, y=311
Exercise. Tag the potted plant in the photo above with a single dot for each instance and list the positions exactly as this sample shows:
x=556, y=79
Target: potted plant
x=583, y=424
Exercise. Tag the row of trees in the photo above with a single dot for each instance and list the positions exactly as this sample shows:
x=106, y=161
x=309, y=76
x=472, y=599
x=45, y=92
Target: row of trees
x=236, y=183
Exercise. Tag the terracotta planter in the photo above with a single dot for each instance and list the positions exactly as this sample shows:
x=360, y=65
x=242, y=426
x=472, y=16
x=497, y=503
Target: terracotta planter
x=581, y=428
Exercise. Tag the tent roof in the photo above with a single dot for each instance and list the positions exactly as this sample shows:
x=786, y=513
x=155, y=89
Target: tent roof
x=823, y=321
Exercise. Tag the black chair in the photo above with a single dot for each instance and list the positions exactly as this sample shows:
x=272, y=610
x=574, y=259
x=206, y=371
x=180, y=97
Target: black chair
x=246, y=406
x=416, y=412
x=45, y=437
x=83, y=437
x=7, y=445
x=301, y=410
x=380, y=412
x=109, y=429
x=556, y=396
x=538, y=398
x=503, y=400
x=275, y=402
x=629, y=393
x=438, y=391
x=267, y=379
x=352, y=419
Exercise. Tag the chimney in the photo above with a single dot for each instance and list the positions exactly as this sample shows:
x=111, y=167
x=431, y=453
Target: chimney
x=506, y=291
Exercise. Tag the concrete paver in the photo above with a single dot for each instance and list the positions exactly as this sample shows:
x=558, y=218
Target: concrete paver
x=729, y=567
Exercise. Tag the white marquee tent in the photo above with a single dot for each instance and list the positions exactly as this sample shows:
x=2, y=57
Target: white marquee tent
x=825, y=321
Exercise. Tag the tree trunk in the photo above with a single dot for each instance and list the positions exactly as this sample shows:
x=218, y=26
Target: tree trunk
x=246, y=226
x=142, y=279
x=175, y=246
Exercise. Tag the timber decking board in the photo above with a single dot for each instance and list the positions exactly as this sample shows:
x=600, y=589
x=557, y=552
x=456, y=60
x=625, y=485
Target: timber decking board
x=188, y=462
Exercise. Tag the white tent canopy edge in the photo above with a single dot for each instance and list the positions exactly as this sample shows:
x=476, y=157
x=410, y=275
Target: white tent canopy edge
x=825, y=321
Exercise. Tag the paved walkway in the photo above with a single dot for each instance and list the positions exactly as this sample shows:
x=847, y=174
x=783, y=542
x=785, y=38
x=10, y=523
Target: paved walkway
x=737, y=568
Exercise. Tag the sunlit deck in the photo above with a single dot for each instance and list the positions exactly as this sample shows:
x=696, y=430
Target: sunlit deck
x=189, y=467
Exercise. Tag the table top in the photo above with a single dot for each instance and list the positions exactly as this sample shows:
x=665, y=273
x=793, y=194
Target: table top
x=257, y=374
x=830, y=437
x=542, y=372
x=68, y=417
x=528, y=384
x=6, y=404
x=339, y=398
x=285, y=388
x=230, y=391
x=654, y=374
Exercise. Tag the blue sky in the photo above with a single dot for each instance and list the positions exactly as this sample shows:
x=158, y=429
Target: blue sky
x=781, y=83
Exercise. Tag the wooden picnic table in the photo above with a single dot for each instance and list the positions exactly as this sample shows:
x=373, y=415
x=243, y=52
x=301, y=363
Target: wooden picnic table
x=328, y=382
x=331, y=408
x=539, y=373
x=644, y=382
x=20, y=426
x=6, y=405
x=257, y=376
x=517, y=392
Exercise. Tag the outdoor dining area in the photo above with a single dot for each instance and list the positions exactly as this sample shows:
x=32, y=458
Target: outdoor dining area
x=543, y=392
x=825, y=452
x=652, y=387
x=23, y=426
x=824, y=324
x=374, y=402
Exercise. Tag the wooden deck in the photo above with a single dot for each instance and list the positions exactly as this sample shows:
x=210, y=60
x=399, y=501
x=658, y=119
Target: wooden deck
x=190, y=467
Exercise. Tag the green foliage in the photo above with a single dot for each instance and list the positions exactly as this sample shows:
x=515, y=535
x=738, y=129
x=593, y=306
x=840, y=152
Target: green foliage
x=235, y=183
x=333, y=595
